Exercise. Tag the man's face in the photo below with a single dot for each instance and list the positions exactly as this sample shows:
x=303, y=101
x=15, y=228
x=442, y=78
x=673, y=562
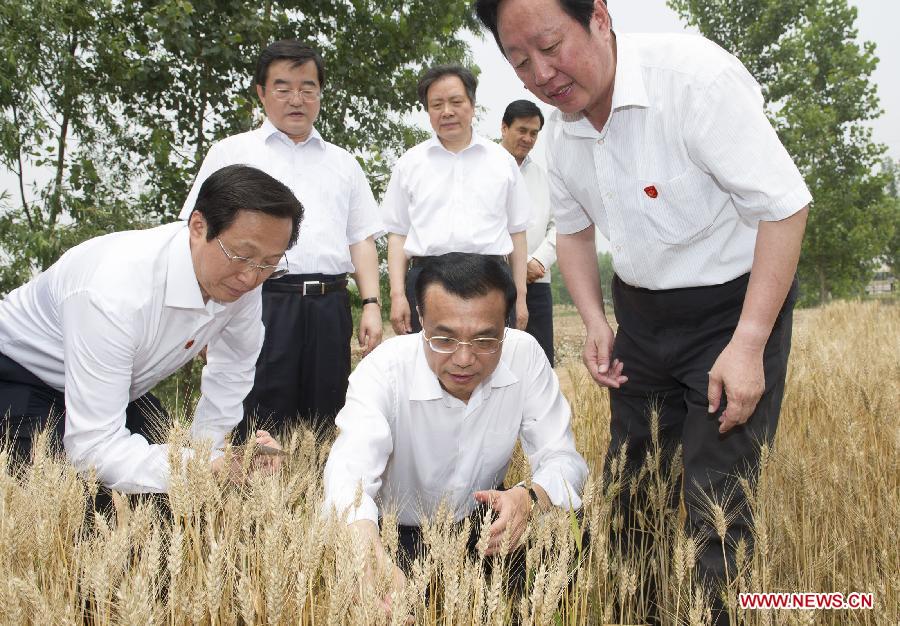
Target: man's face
x=253, y=235
x=294, y=116
x=447, y=315
x=518, y=138
x=450, y=111
x=558, y=60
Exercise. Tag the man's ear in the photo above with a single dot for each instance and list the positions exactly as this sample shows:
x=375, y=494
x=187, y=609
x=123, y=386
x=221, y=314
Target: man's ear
x=601, y=14
x=419, y=313
x=260, y=92
x=197, y=224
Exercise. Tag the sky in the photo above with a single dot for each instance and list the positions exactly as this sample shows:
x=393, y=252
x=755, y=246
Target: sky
x=877, y=21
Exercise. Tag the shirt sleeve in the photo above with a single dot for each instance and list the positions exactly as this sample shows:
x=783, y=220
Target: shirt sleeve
x=364, y=220
x=518, y=204
x=545, y=253
x=229, y=371
x=361, y=452
x=547, y=437
x=395, y=205
x=99, y=347
x=211, y=163
x=728, y=135
x=569, y=215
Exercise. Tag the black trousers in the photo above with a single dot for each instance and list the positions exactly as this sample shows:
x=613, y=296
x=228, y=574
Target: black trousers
x=412, y=544
x=539, y=299
x=668, y=341
x=28, y=406
x=302, y=371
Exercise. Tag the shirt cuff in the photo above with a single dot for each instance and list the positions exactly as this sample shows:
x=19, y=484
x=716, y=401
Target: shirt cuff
x=560, y=492
x=572, y=224
x=343, y=507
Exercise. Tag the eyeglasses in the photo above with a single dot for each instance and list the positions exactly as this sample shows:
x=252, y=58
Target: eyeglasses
x=480, y=345
x=307, y=95
x=273, y=271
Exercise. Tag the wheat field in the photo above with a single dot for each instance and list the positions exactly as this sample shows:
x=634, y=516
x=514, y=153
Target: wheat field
x=826, y=512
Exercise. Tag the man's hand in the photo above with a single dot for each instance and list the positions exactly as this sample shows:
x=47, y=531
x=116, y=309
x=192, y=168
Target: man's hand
x=400, y=315
x=739, y=373
x=597, y=357
x=513, y=508
x=370, y=329
x=521, y=312
x=267, y=463
x=534, y=271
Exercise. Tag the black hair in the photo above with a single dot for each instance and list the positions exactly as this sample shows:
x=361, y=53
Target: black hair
x=579, y=10
x=467, y=275
x=521, y=109
x=288, y=50
x=237, y=188
x=433, y=74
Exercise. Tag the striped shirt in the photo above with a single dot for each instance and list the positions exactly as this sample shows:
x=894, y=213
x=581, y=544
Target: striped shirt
x=685, y=168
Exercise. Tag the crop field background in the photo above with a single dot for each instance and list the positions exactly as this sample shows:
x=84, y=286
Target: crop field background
x=826, y=512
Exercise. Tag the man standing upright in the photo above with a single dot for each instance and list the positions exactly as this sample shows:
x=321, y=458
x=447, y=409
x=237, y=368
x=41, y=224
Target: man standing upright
x=522, y=121
x=662, y=142
x=456, y=192
x=305, y=362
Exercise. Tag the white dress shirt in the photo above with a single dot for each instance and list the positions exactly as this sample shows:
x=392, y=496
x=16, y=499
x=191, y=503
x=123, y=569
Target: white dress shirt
x=108, y=321
x=541, y=233
x=410, y=444
x=688, y=127
x=469, y=201
x=338, y=207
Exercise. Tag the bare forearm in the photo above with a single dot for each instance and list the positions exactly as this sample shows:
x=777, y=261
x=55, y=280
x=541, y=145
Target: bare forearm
x=774, y=265
x=518, y=261
x=364, y=256
x=577, y=259
x=397, y=264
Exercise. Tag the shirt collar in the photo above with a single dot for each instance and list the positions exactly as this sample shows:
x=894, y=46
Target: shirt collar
x=182, y=288
x=426, y=386
x=526, y=162
x=435, y=144
x=268, y=130
x=628, y=89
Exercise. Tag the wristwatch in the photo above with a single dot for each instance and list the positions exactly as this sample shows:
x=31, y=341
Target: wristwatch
x=372, y=300
x=534, y=498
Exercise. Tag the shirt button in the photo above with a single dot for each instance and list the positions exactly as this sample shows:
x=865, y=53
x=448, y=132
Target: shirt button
x=600, y=142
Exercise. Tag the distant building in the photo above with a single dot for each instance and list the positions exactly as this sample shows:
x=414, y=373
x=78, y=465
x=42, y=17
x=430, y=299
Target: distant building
x=883, y=282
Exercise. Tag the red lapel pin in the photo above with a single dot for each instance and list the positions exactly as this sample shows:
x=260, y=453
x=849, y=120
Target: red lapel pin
x=651, y=191
x=188, y=345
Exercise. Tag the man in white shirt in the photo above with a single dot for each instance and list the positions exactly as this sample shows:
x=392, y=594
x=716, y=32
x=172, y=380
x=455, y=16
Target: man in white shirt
x=305, y=360
x=117, y=314
x=519, y=129
x=662, y=142
x=435, y=416
x=456, y=192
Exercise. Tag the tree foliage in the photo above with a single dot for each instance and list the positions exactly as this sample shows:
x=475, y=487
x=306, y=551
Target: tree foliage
x=115, y=104
x=816, y=79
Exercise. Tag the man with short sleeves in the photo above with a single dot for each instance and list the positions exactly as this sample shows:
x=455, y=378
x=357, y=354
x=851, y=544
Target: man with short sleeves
x=305, y=361
x=522, y=122
x=435, y=416
x=117, y=314
x=456, y=192
x=662, y=142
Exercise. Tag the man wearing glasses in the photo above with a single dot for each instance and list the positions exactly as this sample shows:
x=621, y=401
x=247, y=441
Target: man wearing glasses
x=305, y=360
x=82, y=344
x=435, y=416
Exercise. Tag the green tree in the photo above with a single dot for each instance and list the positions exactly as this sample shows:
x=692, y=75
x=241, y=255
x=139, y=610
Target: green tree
x=115, y=104
x=816, y=79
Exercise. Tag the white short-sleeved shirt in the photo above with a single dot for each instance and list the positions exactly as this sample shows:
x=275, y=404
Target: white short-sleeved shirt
x=108, y=321
x=410, y=444
x=684, y=169
x=469, y=201
x=541, y=234
x=339, y=209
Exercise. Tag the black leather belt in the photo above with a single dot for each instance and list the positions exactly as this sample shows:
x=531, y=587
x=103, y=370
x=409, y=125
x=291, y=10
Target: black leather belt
x=419, y=261
x=308, y=284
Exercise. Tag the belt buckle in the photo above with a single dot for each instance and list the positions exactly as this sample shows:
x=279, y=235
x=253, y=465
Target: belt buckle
x=314, y=283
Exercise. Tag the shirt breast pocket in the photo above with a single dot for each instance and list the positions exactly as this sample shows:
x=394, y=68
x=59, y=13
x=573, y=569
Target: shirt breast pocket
x=679, y=210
